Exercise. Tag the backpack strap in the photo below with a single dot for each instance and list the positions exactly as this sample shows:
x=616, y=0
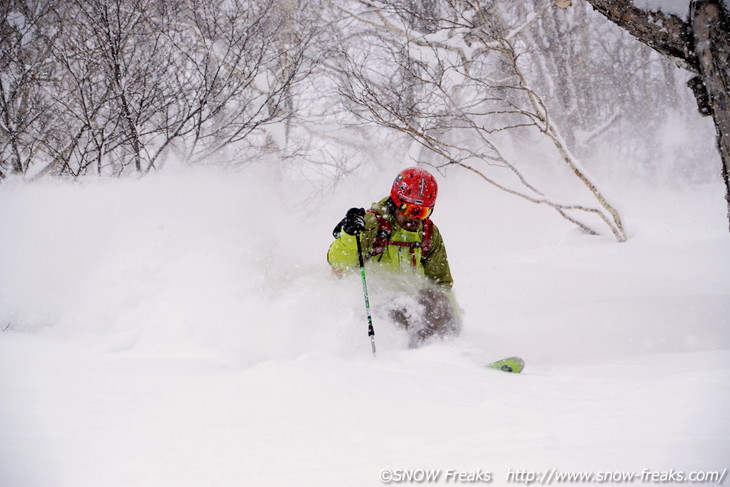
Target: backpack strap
x=382, y=237
x=427, y=234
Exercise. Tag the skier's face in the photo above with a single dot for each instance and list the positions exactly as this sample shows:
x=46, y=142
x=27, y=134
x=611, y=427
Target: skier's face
x=408, y=224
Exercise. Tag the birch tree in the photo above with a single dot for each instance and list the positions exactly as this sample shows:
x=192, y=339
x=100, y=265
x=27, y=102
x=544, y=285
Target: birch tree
x=471, y=90
x=127, y=83
x=700, y=43
x=26, y=114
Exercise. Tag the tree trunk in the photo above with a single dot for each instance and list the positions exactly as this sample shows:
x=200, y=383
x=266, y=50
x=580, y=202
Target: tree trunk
x=711, y=29
x=701, y=44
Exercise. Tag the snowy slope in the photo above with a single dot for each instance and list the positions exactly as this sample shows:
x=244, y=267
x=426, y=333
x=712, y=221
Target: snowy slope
x=185, y=330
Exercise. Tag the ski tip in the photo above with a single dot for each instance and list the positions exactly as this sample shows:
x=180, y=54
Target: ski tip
x=514, y=365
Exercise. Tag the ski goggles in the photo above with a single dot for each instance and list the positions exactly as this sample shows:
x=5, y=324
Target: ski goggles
x=412, y=212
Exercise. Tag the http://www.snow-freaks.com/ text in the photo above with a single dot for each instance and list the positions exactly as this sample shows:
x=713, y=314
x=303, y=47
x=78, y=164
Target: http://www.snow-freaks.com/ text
x=550, y=476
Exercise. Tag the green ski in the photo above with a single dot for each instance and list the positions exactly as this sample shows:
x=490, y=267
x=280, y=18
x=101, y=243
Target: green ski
x=511, y=364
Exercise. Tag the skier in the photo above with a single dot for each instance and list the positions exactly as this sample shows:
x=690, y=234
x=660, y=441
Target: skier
x=398, y=236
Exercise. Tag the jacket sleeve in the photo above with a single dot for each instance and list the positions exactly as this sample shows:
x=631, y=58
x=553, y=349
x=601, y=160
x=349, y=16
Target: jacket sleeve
x=342, y=254
x=436, y=262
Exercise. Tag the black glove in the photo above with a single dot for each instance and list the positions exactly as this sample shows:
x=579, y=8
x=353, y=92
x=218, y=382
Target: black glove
x=354, y=222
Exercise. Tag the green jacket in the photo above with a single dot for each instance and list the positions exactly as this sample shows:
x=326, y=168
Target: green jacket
x=342, y=255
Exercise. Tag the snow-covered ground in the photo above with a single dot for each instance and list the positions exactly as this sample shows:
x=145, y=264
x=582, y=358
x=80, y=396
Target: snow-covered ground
x=185, y=330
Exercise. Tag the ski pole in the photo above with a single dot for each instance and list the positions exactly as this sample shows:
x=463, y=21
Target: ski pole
x=371, y=330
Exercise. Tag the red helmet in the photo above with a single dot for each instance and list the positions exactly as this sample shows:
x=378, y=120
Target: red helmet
x=415, y=188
